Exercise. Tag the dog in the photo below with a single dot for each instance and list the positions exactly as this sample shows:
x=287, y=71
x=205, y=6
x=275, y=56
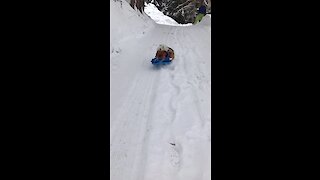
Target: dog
x=163, y=51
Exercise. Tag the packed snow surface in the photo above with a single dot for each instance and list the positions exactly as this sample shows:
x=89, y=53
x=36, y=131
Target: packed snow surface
x=160, y=117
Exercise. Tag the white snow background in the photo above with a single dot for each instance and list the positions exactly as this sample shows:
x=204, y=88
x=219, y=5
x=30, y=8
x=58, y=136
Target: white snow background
x=160, y=117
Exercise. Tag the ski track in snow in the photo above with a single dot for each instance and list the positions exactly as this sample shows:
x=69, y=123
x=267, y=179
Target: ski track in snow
x=161, y=119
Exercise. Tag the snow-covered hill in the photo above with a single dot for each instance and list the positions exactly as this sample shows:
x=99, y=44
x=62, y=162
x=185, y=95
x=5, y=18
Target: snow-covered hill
x=160, y=118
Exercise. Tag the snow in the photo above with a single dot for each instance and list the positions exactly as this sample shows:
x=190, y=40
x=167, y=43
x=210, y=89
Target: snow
x=160, y=117
x=158, y=16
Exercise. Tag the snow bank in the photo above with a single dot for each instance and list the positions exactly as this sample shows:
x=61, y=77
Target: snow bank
x=158, y=16
x=125, y=22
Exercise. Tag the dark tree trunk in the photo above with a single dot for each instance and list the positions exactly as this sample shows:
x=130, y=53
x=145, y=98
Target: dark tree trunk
x=139, y=4
x=132, y=3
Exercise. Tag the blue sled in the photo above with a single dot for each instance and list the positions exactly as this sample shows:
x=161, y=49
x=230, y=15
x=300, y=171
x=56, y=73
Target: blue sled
x=156, y=61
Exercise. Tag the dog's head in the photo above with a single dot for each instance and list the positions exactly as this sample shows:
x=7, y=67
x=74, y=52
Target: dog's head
x=162, y=47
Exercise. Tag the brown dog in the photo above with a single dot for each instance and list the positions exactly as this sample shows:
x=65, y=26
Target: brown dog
x=162, y=52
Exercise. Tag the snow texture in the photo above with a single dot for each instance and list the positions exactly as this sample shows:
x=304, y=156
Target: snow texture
x=160, y=117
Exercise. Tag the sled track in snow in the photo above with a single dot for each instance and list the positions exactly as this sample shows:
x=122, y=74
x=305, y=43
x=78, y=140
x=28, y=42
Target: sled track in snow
x=125, y=147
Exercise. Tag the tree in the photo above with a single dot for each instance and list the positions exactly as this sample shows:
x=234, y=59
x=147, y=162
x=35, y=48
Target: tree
x=139, y=4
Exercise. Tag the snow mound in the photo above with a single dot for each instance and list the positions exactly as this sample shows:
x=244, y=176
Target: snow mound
x=158, y=16
x=126, y=22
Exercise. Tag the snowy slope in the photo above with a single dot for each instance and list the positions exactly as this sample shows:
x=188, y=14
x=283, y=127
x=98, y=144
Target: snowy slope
x=126, y=23
x=160, y=118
